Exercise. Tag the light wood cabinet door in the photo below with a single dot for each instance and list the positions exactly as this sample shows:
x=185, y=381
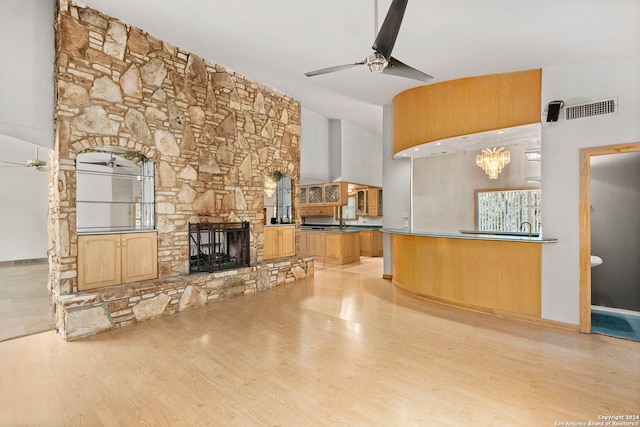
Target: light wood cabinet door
x=374, y=196
x=113, y=259
x=335, y=193
x=370, y=243
x=271, y=242
x=279, y=241
x=99, y=261
x=304, y=245
x=304, y=199
x=139, y=260
x=366, y=243
x=314, y=194
x=362, y=205
x=287, y=241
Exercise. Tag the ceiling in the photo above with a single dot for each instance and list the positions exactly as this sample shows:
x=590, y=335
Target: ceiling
x=275, y=42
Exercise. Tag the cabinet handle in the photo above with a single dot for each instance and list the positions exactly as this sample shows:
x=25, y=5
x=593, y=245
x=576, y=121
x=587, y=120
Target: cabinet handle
x=118, y=244
x=124, y=244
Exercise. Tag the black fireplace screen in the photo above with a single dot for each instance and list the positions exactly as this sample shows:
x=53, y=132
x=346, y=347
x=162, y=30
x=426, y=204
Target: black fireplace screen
x=218, y=246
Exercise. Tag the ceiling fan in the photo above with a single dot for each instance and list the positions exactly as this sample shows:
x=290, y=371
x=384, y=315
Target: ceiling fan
x=36, y=164
x=381, y=61
x=111, y=163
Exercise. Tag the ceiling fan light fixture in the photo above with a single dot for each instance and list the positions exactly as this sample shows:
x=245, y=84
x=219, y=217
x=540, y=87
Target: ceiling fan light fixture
x=376, y=62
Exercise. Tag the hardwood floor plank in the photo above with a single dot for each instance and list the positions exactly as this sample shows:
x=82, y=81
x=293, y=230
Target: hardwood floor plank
x=343, y=348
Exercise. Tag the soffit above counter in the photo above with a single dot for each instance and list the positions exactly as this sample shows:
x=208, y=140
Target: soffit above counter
x=463, y=107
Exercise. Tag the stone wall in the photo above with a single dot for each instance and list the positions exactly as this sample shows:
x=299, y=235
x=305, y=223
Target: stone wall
x=212, y=133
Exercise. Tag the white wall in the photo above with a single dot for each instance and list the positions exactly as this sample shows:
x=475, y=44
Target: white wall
x=361, y=155
x=615, y=230
x=26, y=86
x=23, y=203
x=314, y=157
x=396, y=186
x=443, y=193
x=561, y=143
x=336, y=150
x=26, y=118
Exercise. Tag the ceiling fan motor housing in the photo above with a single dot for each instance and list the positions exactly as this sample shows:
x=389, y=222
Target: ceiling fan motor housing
x=376, y=62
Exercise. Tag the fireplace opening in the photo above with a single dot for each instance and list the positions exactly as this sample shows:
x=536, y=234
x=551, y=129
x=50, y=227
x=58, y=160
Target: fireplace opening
x=218, y=246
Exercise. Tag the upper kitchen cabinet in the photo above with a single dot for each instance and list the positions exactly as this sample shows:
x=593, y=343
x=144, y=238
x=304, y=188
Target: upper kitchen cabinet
x=374, y=199
x=335, y=193
x=369, y=201
x=329, y=194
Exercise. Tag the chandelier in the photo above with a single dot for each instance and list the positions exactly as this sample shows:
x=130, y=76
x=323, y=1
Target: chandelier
x=493, y=160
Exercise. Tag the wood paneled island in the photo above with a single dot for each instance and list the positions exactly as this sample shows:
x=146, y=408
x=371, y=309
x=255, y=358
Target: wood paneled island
x=331, y=246
x=494, y=274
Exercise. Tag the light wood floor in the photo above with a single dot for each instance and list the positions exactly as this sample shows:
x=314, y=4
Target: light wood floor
x=343, y=348
x=24, y=300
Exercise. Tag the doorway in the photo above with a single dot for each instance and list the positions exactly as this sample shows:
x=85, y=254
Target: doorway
x=586, y=298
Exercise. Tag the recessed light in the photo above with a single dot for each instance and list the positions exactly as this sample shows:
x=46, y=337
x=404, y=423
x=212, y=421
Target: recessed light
x=500, y=132
x=415, y=149
x=438, y=143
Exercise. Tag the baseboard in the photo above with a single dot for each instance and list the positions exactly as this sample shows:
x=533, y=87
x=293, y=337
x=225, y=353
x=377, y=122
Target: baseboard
x=387, y=276
x=23, y=262
x=492, y=311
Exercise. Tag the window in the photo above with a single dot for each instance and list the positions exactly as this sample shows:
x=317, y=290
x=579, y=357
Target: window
x=507, y=209
x=348, y=211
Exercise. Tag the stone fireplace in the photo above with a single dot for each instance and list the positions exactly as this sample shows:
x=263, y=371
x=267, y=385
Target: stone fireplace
x=213, y=135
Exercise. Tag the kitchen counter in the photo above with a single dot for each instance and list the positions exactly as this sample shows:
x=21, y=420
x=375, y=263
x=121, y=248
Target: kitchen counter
x=330, y=245
x=492, y=273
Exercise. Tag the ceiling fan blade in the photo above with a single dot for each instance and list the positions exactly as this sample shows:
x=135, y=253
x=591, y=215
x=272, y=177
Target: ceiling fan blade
x=397, y=68
x=332, y=69
x=386, y=38
x=13, y=163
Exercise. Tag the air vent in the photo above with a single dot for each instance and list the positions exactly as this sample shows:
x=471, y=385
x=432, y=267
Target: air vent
x=607, y=106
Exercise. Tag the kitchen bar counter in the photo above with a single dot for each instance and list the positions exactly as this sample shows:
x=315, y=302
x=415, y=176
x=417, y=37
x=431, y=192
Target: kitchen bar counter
x=491, y=273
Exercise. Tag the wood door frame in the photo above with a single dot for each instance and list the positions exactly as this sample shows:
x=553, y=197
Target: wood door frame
x=585, y=223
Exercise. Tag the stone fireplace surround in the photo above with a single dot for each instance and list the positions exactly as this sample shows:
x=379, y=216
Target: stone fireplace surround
x=213, y=135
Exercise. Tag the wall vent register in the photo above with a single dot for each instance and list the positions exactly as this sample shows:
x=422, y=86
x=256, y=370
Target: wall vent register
x=607, y=106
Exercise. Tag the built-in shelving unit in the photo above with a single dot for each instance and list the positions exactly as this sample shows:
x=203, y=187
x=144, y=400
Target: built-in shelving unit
x=115, y=201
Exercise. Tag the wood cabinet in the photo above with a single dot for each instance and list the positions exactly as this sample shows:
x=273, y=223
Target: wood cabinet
x=113, y=259
x=362, y=203
x=341, y=248
x=374, y=201
x=370, y=243
x=331, y=247
x=329, y=194
x=316, y=211
x=335, y=193
x=369, y=201
x=279, y=241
